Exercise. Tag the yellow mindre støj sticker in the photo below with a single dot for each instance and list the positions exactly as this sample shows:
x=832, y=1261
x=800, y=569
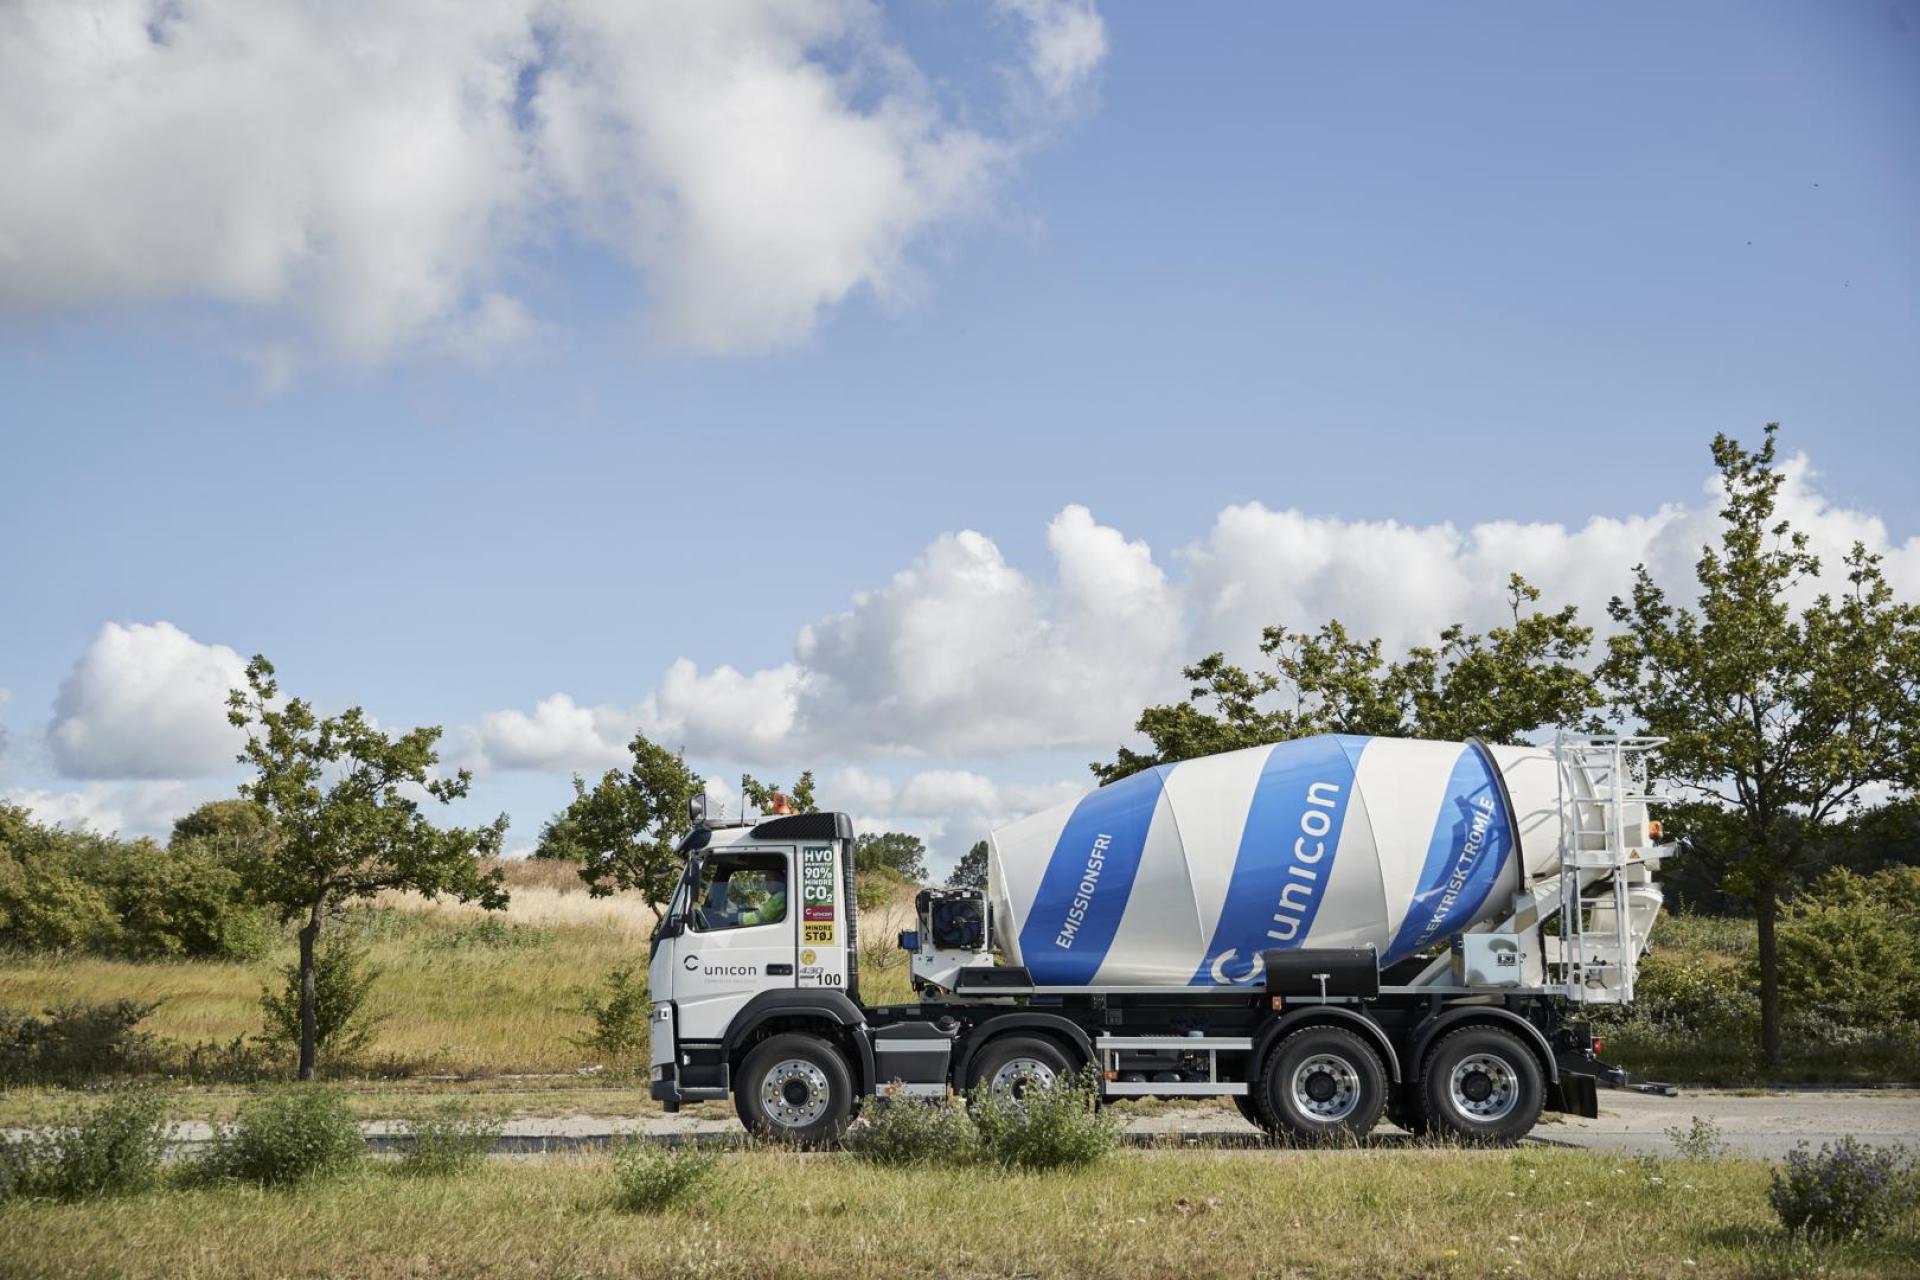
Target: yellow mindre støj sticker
x=817, y=933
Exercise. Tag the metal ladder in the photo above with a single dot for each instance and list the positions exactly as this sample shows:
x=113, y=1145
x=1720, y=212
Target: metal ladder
x=1612, y=772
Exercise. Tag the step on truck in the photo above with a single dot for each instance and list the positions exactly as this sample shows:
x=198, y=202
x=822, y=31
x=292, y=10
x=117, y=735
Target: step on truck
x=1327, y=931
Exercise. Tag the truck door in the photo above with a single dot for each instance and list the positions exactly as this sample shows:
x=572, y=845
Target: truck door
x=739, y=939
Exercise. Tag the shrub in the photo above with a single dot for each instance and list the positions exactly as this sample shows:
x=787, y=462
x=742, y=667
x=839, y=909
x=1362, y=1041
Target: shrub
x=76, y=890
x=342, y=979
x=619, y=1013
x=652, y=1178
x=1053, y=1128
x=452, y=1138
x=74, y=1042
x=184, y=902
x=1700, y=1140
x=1850, y=949
x=909, y=1131
x=1847, y=1189
x=285, y=1138
x=112, y=1148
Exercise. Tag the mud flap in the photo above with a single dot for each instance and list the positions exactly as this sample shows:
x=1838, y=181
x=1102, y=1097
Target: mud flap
x=1575, y=1094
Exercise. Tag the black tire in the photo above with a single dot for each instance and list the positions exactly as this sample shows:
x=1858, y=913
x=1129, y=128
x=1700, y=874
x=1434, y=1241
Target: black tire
x=1249, y=1108
x=1020, y=1063
x=1408, y=1111
x=1323, y=1084
x=1482, y=1085
x=794, y=1088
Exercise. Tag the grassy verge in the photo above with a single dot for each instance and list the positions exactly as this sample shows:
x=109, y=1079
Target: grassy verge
x=1155, y=1214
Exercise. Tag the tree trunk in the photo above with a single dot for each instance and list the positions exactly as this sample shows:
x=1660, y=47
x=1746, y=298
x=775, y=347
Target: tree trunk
x=1767, y=905
x=309, y=1011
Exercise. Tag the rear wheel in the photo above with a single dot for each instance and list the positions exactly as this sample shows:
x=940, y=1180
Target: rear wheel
x=1323, y=1084
x=1481, y=1084
x=1248, y=1106
x=1011, y=1065
x=796, y=1088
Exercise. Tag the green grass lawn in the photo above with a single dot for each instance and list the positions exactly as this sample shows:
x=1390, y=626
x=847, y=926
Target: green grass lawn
x=1173, y=1214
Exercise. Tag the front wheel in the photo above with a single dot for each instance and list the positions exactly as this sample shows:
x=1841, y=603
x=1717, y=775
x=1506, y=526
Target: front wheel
x=1482, y=1085
x=794, y=1088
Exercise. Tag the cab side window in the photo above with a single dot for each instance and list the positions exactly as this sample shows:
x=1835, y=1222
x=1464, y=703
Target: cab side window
x=740, y=890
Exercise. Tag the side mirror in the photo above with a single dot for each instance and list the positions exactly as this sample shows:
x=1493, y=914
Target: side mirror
x=697, y=807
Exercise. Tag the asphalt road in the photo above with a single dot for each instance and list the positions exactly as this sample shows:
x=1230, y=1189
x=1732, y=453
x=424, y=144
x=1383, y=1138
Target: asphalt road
x=1759, y=1125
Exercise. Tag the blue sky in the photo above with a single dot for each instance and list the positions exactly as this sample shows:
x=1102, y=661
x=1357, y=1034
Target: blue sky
x=1439, y=266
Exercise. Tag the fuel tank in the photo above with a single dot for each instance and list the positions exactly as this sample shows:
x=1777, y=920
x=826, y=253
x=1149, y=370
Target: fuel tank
x=1182, y=875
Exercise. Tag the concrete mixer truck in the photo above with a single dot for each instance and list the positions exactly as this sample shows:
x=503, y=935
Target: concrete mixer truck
x=1325, y=931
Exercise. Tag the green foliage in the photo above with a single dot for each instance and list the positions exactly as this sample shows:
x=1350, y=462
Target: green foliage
x=971, y=871
x=619, y=1013
x=625, y=832
x=1699, y=1140
x=73, y=1043
x=873, y=890
x=343, y=978
x=800, y=798
x=1061, y=1127
x=653, y=1178
x=451, y=1138
x=111, y=1148
x=908, y=1131
x=1846, y=1189
x=1780, y=718
x=1850, y=948
x=1498, y=686
x=284, y=1138
x=894, y=851
x=1696, y=1017
x=340, y=795
x=75, y=890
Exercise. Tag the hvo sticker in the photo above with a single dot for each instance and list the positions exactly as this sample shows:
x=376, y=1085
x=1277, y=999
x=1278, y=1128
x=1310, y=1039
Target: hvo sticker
x=816, y=894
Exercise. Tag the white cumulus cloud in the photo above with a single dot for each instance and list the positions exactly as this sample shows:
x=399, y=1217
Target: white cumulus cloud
x=147, y=700
x=558, y=735
x=963, y=653
x=387, y=171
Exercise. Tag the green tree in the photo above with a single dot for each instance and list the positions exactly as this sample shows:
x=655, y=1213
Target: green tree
x=893, y=851
x=1498, y=686
x=971, y=871
x=625, y=833
x=343, y=798
x=799, y=796
x=1780, y=718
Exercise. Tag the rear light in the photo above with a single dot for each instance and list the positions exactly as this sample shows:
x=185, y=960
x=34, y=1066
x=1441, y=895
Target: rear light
x=1655, y=829
x=1599, y=1046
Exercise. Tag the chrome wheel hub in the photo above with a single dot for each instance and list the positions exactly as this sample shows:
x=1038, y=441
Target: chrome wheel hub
x=1484, y=1087
x=795, y=1093
x=1014, y=1078
x=1326, y=1088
